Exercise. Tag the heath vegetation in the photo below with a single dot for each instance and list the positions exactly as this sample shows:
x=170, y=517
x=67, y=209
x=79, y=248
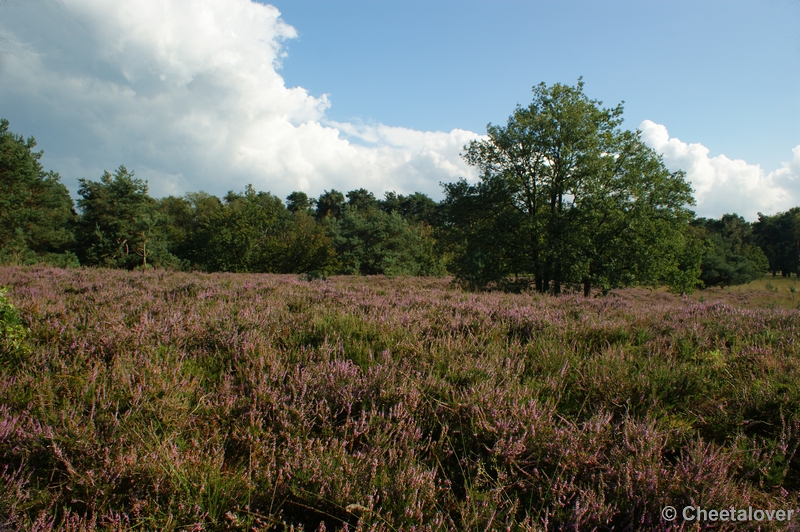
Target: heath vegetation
x=176, y=401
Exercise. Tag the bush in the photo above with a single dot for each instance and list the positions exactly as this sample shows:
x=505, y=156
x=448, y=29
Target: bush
x=13, y=335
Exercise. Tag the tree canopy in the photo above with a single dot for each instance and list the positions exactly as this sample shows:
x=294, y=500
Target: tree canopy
x=731, y=255
x=119, y=224
x=779, y=237
x=36, y=211
x=566, y=196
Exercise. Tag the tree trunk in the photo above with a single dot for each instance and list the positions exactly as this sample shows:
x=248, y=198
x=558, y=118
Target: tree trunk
x=587, y=288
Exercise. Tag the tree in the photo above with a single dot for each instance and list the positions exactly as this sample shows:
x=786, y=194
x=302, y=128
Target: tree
x=732, y=255
x=361, y=199
x=299, y=201
x=186, y=226
x=178, y=225
x=151, y=242
x=236, y=235
x=416, y=207
x=297, y=244
x=37, y=215
x=684, y=277
x=119, y=224
x=475, y=233
x=368, y=241
x=630, y=218
x=570, y=196
x=779, y=237
x=329, y=204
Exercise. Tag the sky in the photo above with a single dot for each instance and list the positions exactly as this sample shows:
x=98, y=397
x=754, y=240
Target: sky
x=318, y=94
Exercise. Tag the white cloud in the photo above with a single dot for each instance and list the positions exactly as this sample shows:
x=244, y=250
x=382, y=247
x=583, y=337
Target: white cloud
x=187, y=93
x=723, y=185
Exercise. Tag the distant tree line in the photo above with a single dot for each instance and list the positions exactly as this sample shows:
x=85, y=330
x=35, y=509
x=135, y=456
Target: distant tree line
x=565, y=198
x=117, y=224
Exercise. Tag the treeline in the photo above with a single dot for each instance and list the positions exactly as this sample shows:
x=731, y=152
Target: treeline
x=116, y=224
x=736, y=251
x=565, y=198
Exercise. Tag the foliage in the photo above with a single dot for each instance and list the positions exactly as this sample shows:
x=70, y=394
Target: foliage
x=684, y=275
x=416, y=207
x=299, y=201
x=369, y=241
x=188, y=229
x=779, y=238
x=575, y=199
x=175, y=401
x=480, y=254
x=361, y=199
x=179, y=226
x=13, y=334
x=119, y=224
x=566, y=197
x=236, y=233
x=36, y=211
x=732, y=256
x=330, y=203
x=298, y=245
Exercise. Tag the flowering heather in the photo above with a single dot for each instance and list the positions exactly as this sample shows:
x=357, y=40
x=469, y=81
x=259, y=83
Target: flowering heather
x=178, y=401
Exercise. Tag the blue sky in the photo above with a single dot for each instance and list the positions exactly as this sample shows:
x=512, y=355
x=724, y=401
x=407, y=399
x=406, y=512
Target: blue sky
x=724, y=73
x=318, y=94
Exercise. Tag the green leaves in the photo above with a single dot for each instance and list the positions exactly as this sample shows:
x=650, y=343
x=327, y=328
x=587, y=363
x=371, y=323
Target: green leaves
x=779, y=237
x=120, y=225
x=483, y=235
x=731, y=256
x=298, y=245
x=370, y=241
x=13, y=335
x=566, y=196
x=234, y=236
x=36, y=211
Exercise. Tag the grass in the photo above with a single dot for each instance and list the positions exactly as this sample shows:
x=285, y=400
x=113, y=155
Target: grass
x=177, y=401
x=769, y=291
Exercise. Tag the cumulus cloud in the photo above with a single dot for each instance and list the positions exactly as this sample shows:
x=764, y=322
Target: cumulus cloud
x=188, y=94
x=724, y=185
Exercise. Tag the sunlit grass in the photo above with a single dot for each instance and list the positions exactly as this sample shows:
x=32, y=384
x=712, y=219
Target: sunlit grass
x=768, y=291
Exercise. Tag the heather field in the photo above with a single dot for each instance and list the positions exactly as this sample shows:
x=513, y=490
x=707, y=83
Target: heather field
x=184, y=401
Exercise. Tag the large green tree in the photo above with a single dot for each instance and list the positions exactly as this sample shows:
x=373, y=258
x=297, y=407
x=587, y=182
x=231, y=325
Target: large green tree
x=36, y=212
x=370, y=241
x=732, y=255
x=566, y=196
x=299, y=201
x=297, y=244
x=629, y=220
x=120, y=224
x=416, y=207
x=237, y=234
x=187, y=226
x=779, y=237
x=330, y=203
x=480, y=233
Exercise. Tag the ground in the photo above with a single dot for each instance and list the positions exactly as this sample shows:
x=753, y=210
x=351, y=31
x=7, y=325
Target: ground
x=172, y=401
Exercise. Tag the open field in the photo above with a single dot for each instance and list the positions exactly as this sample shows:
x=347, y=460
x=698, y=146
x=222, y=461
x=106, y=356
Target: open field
x=178, y=401
x=769, y=292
